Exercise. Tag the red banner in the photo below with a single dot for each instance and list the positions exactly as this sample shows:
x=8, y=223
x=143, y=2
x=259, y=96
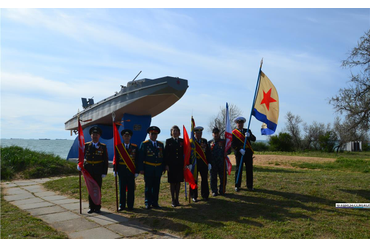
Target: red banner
x=200, y=152
x=187, y=149
x=241, y=138
x=92, y=186
x=126, y=157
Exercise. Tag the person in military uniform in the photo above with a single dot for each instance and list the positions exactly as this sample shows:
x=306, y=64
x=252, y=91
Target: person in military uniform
x=96, y=163
x=127, y=170
x=217, y=155
x=237, y=143
x=203, y=165
x=174, y=162
x=151, y=153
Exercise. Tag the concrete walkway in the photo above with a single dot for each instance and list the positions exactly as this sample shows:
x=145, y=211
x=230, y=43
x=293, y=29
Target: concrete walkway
x=63, y=213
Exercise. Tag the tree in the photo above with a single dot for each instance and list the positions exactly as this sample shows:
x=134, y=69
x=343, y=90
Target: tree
x=220, y=120
x=293, y=129
x=281, y=142
x=313, y=132
x=327, y=141
x=346, y=134
x=354, y=101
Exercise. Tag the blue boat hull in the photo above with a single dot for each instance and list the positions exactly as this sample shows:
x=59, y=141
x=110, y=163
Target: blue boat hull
x=138, y=125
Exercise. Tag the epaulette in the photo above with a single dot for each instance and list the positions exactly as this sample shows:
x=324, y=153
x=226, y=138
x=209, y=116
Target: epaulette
x=87, y=143
x=133, y=144
x=160, y=142
x=146, y=141
x=103, y=144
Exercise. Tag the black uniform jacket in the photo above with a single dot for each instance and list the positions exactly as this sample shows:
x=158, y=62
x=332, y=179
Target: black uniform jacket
x=174, y=159
x=204, y=146
x=96, y=159
x=133, y=151
x=236, y=144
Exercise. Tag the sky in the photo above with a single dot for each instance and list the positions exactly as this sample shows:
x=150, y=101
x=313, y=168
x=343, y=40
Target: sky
x=50, y=58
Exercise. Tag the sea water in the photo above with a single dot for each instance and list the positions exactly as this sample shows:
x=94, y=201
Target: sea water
x=59, y=147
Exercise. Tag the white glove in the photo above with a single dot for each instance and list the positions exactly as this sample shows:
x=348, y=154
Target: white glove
x=103, y=175
x=242, y=151
x=209, y=167
x=190, y=167
x=248, y=134
x=136, y=175
x=115, y=173
x=78, y=168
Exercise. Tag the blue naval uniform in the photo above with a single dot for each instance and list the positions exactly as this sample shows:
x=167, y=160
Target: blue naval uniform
x=151, y=162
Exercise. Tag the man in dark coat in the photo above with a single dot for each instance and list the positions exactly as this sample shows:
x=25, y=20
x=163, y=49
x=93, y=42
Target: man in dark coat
x=151, y=153
x=96, y=163
x=217, y=151
x=127, y=170
x=174, y=162
x=203, y=166
x=237, y=143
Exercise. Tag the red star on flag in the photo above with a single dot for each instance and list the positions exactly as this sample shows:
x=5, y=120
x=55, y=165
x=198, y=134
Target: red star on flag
x=267, y=99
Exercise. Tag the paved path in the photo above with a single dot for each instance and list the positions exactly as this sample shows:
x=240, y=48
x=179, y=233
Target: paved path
x=63, y=213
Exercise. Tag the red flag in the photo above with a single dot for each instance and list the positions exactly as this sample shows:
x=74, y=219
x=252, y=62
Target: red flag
x=122, y=152
x=117, y=141
x=228, y=138
x=92, y=186
x=187, y=173
x=81, y=146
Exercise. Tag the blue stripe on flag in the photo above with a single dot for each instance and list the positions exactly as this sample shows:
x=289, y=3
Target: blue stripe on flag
x=262, y=117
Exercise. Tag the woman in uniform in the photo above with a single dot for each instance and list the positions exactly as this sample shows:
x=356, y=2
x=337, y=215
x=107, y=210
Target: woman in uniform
x=174, y=161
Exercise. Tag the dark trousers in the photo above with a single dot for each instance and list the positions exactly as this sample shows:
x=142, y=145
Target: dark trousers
x=175, y=191
x=99, y=181
x=152, y=184
x=129, y=183
x=218, y=170
x=248, y=161
x=204, y=188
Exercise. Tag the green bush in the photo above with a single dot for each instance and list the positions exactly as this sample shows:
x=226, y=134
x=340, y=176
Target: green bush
x=282, y=142
x=260, y=146
x=20, y=162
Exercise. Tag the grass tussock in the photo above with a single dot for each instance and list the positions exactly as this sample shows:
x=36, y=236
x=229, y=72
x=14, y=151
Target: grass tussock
x=17, y=162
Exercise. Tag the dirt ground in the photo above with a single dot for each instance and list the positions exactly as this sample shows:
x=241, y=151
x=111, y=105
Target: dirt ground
x=281, y=160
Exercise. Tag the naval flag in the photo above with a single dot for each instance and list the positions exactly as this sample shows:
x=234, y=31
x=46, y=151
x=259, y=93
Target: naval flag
x=266, y=106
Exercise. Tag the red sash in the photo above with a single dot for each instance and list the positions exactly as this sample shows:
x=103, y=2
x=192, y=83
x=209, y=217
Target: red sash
x=126, y=157
x=200, y=152
x=241, y=138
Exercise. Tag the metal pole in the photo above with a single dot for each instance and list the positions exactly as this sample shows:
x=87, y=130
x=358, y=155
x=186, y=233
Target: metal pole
x=250, y=117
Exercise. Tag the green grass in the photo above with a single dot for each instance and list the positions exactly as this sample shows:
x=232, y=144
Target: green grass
x=17, y=224
x=341, y=164
x=287, y=203
x=17, y=162
x=354, y=155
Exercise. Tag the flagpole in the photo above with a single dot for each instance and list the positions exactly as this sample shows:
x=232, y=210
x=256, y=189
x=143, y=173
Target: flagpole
x=80, y=192
x=186, y=194
x=250, y=117
x=115, y=165
x=224, y=185
x=79, y=173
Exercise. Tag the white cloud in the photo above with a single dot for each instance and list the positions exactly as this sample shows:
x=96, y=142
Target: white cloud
x=101, y=49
